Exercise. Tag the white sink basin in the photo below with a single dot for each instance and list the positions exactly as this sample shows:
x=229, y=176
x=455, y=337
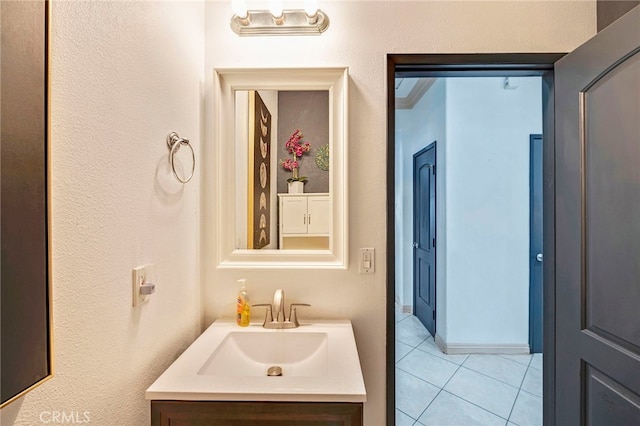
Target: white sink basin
x=252, y=354
x=319, y=362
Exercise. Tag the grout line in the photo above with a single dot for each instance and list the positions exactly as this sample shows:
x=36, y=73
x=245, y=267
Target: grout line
x=436, y=356
x=402, y=319
x=526, y=391
x=474, y=404
x=532, y=366
x=407, y=354
x=441, y=389
x=479, y=406
x=513, y=406
x=457, y=396
x=496, y=379
x=504, y=356
x=442, y=355
x=519, y=390
x=431, y=402
x=419, y=378
x=406, y=414
x=529, y=393
x=409, y=344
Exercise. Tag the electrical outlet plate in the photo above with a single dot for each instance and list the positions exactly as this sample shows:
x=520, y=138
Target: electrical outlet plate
x=140, y=275
x=367, y=260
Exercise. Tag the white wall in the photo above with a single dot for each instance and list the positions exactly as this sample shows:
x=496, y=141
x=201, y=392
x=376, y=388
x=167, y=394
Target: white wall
x=487, y=208
x=123, y=75
x=360, y=35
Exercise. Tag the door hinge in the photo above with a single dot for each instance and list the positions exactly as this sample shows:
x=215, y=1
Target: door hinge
x=434, y=315
x=434, y=242
x=433, y=169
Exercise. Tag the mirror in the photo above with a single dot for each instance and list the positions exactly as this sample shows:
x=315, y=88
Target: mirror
x=25, y=296
x=275, y=126
x=275, y=130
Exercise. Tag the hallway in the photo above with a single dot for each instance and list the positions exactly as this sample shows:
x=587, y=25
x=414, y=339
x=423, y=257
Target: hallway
x=433, y=388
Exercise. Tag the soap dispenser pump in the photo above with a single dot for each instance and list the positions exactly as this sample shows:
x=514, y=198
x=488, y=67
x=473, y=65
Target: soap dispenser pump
x=243, y=308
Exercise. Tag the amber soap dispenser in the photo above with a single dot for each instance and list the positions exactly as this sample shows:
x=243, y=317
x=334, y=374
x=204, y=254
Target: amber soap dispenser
x=243, y=308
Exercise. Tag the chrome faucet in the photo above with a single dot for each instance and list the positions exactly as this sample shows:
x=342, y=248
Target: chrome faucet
x=275, y=316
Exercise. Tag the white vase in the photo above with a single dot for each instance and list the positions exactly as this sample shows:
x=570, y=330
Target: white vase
x=296, y=187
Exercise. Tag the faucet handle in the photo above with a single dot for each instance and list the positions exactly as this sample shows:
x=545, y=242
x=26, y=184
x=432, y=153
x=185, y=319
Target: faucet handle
x=293, y=316
x=269, y=312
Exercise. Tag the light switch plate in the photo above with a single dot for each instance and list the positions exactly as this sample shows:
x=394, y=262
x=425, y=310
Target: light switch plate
x=367, y=260
x=144, y=274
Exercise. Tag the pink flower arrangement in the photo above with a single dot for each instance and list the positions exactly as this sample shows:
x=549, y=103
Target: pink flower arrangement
x=296, y=148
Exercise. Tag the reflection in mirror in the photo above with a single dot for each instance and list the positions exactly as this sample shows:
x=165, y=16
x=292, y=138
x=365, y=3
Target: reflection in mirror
x=282, y=164
x=281, y=193
x=25, y=297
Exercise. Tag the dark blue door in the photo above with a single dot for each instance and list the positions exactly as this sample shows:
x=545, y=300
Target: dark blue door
x=424, y=234
x=535, y=245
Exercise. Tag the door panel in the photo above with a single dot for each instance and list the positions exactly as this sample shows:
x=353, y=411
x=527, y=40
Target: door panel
x=609, y=403
x=598, y=229
x=294, y=215
x=319, y=215
x=613, y=203
x=424, y=258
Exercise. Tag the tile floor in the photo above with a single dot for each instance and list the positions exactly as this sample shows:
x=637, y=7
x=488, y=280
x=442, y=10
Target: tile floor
x=433, y=388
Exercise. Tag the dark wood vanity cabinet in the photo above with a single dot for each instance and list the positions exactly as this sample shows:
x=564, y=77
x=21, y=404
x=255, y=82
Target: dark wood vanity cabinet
x=233, y=413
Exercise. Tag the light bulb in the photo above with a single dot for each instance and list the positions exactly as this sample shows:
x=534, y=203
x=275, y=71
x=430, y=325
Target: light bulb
x=239, y=8
x=311, y=7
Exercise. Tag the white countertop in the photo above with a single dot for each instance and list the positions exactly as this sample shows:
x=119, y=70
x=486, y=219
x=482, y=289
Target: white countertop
x=342, y=382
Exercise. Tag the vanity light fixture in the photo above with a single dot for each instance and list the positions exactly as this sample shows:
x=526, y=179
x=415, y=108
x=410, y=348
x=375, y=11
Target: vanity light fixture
x=278, y=21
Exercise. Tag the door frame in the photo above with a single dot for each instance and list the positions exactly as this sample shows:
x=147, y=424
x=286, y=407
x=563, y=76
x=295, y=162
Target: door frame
x=479, y=65
x=533, y=308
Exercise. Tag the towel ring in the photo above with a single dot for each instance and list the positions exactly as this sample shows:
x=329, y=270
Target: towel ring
x=174, y=142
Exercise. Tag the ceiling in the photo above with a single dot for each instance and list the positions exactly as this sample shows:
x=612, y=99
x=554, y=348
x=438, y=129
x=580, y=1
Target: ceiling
x=410, y=90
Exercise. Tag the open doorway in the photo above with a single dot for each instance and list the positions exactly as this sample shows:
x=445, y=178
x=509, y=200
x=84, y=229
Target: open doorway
x=476, y=363
x=590, y=228
x=476, y=166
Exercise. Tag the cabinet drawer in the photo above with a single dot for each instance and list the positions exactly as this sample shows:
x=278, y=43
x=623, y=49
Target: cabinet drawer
x=232, y=413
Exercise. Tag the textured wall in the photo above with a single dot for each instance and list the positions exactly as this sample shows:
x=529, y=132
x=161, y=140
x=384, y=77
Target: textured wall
x=309, y=112
x=360, y=35
x=123, y=75
x=126, y=73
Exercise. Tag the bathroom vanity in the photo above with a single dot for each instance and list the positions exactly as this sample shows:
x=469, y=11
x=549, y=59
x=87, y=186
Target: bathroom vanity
x=191, y=413
x=226, y=377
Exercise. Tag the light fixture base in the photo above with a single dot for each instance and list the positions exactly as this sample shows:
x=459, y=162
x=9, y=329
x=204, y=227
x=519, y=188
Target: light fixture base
x=294, y=22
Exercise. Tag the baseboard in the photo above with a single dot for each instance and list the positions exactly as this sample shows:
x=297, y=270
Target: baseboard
x=407, y=309
x=473, y=348
x=440, y=343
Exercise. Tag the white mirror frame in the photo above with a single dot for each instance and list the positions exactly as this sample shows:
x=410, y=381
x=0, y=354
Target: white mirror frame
x=227, y=82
